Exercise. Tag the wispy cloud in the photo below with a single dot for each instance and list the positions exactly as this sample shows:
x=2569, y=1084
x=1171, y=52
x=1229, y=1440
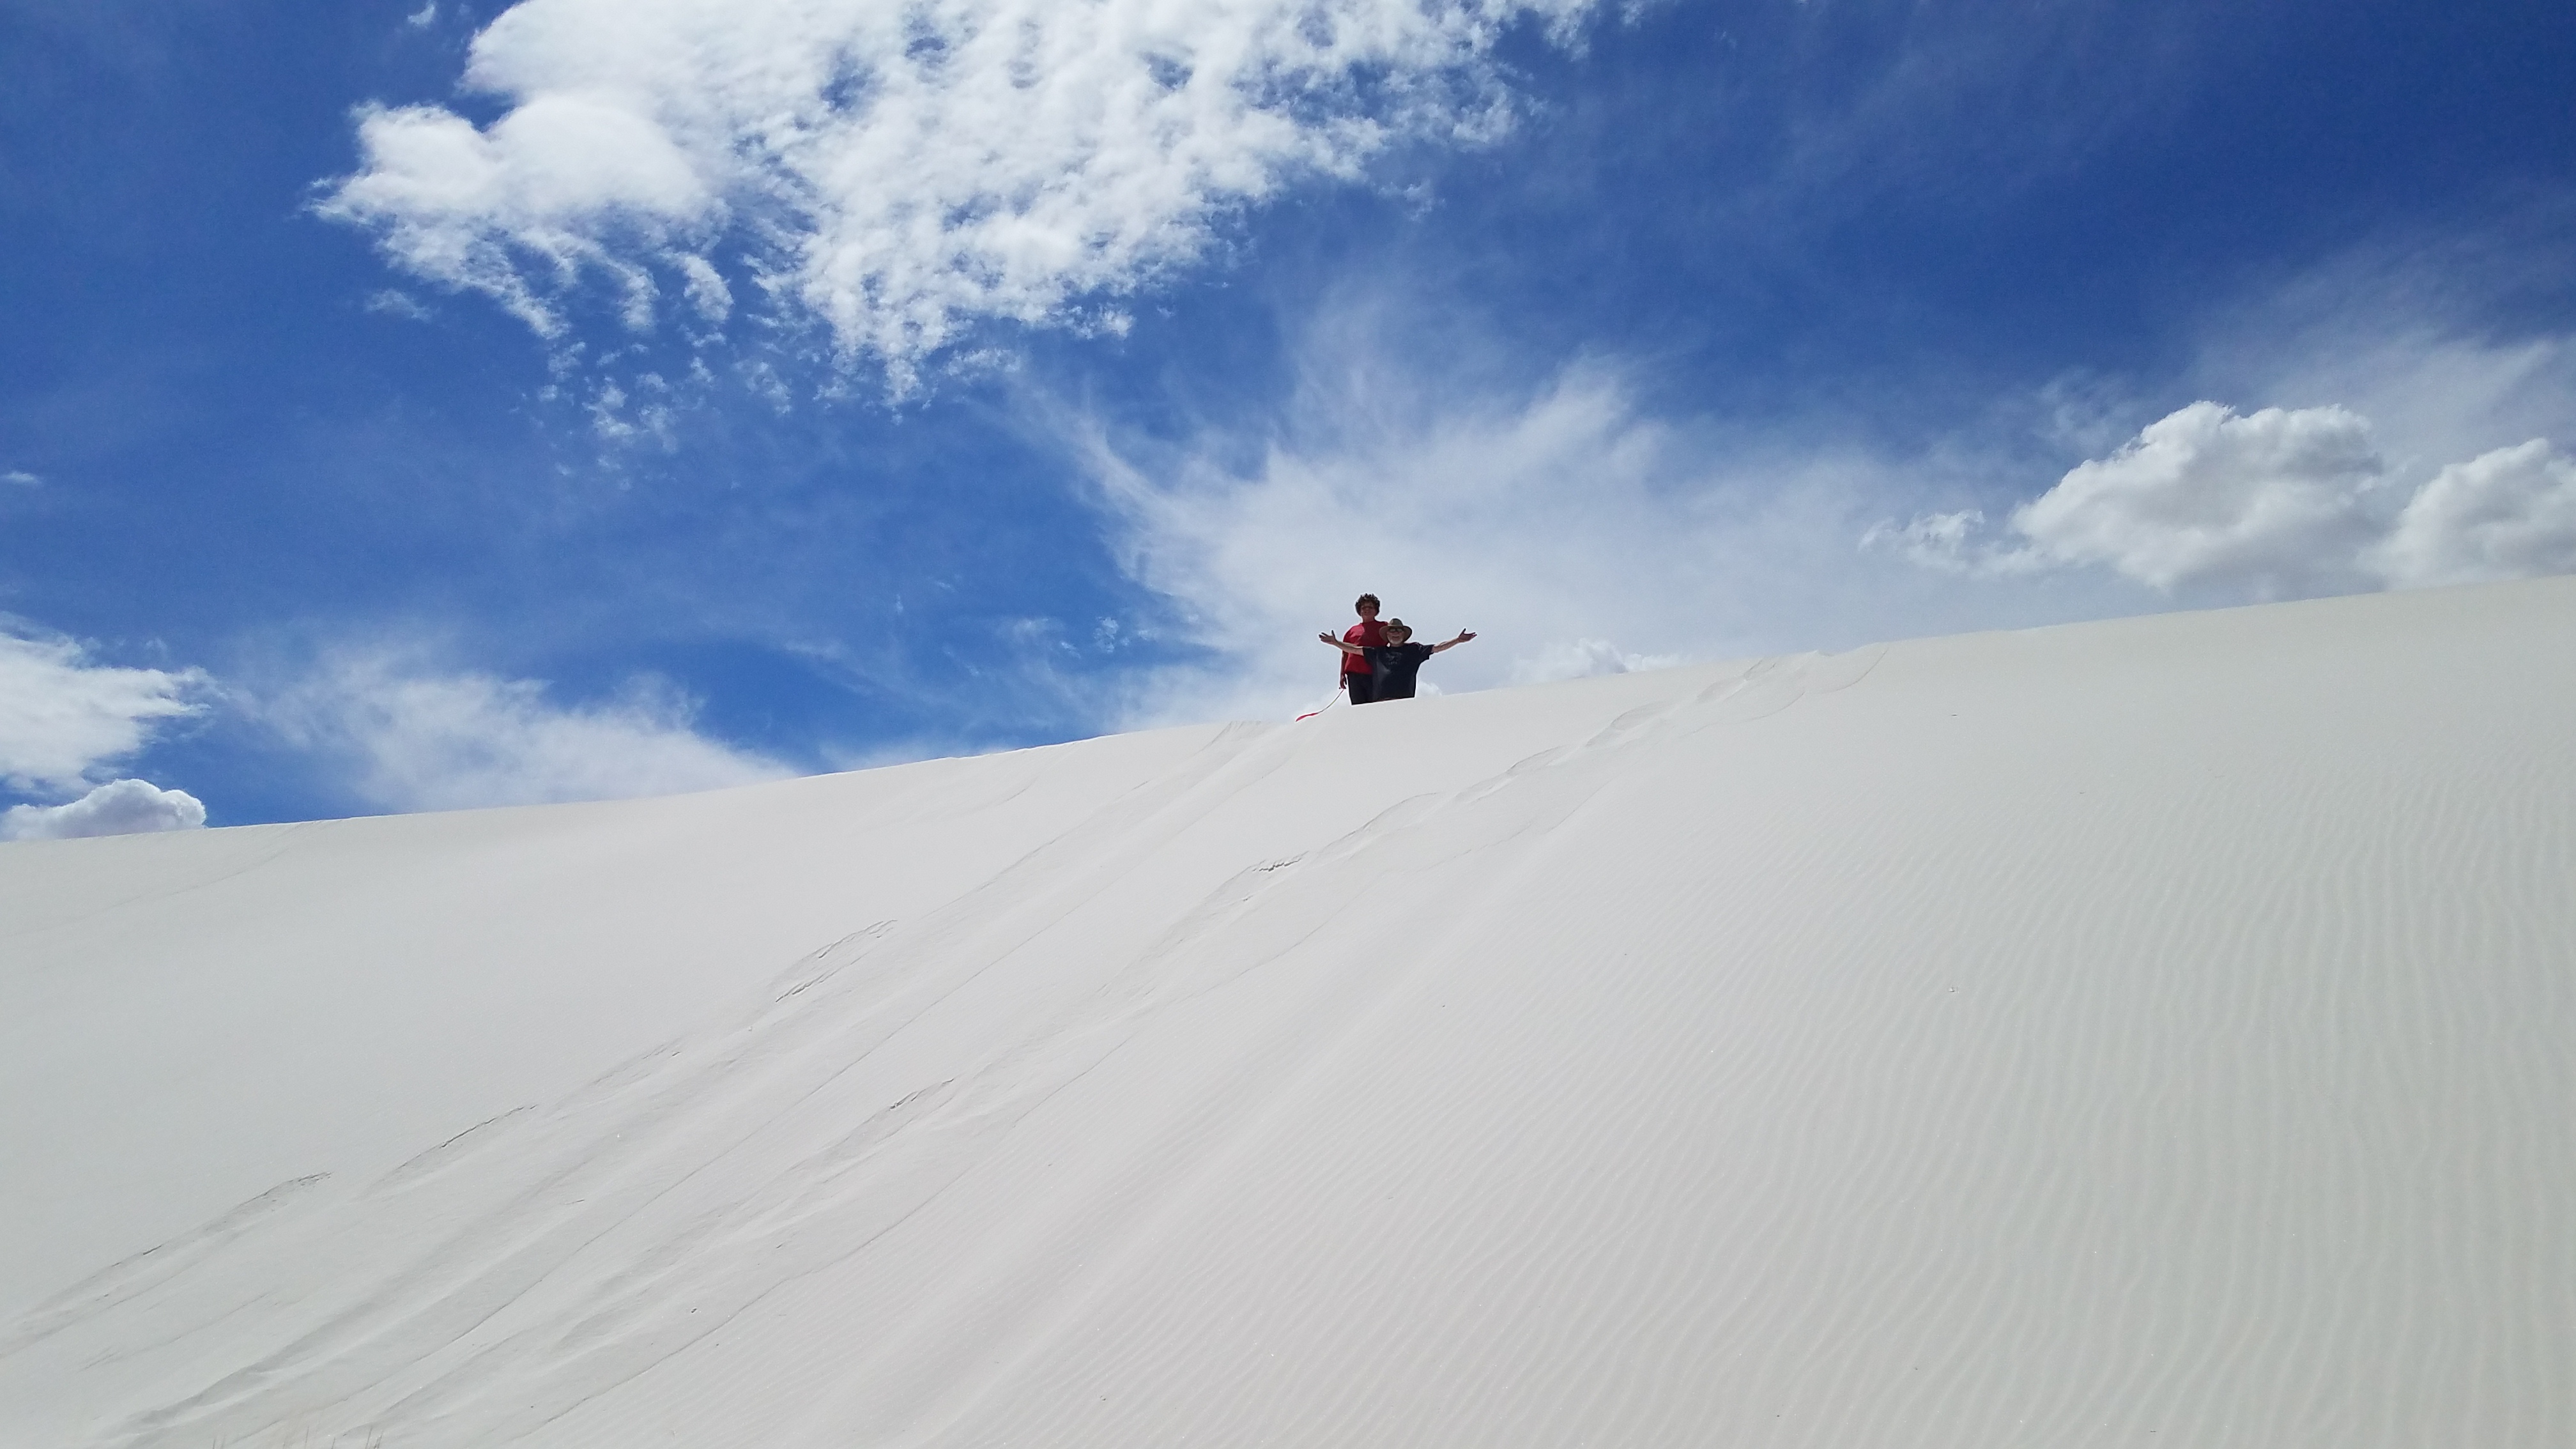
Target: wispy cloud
x=20, y=478
x=415, y=737
x=901, y=172
x=394, y=302
x=119, y=807
x=62, y=717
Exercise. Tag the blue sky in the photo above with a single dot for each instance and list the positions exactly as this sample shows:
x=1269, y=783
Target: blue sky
x=417, y=405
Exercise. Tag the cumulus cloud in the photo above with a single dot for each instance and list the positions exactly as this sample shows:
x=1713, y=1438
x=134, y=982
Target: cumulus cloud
x=63, y=717
x=119, y=807
x=2507, y=514
x=2273, y=502
x=19, y=477
x=900, y=171
x=2270, y=504
x=421, y=739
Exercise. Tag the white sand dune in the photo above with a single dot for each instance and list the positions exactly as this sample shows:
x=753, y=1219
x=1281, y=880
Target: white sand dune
x=2155, y=1032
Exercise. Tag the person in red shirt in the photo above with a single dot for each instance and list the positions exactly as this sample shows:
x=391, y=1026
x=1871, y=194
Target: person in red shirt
x=1358, y=680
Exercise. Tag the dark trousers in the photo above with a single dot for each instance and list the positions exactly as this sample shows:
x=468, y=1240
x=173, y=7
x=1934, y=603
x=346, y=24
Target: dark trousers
x=1362, y=688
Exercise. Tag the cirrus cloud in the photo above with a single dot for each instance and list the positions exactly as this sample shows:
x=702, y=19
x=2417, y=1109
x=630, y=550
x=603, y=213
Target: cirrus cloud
x=901, y=171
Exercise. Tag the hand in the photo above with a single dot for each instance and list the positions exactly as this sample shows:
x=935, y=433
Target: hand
x=1466, y=634
x=1328, y=638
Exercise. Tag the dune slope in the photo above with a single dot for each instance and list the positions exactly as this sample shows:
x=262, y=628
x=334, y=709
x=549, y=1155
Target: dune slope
x=2133, y=1033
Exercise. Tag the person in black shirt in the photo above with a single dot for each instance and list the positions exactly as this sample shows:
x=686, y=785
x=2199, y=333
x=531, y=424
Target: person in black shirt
x=1398, y=660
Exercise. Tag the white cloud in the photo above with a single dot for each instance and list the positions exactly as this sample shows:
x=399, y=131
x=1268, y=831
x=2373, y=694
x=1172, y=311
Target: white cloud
x=62, y=717
x=2507, y=514
x=2272, y=503
x=394, y=302
x=548, y=185
x=706, y=289
x=119, y=807
x=418, y=739
x=652, y=418
x=22, y=478
x=901, y=170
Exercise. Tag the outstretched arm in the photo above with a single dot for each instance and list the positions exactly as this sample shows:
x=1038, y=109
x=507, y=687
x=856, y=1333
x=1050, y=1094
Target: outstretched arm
x=1346, y=648
x=1463, y=637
